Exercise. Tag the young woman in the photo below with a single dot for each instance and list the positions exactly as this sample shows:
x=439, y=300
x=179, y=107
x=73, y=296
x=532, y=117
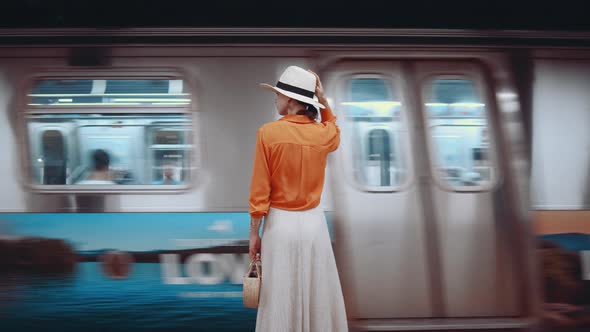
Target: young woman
x=300, y=289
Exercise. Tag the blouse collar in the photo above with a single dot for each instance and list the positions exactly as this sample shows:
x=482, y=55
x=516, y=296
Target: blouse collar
x=296, y=118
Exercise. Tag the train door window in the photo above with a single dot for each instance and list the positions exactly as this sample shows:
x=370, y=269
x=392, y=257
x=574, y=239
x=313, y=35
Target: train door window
x=170, y=155
x=379, y=157
x=52, y=164
x=373, y=119
x=459, y=133
x=121, y=133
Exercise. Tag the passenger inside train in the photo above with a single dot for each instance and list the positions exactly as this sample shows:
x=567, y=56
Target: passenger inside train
x=100, y=174
x=169, y=175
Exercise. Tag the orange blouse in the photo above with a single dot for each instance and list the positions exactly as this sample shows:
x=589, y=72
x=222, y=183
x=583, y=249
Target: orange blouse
x=290, y=161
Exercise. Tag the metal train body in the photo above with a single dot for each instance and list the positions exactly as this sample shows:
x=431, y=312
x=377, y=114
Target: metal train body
x=428, y=194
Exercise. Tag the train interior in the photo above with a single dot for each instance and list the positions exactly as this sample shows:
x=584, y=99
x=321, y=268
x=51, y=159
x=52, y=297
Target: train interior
x=143, y=148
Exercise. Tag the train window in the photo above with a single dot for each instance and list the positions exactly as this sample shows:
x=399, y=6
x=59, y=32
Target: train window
x=373, y=118
x=118, y=132
x=380, y=154
x=459, y=134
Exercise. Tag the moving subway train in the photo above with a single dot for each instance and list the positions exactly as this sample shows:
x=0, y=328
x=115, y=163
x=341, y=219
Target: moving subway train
x=126, y=169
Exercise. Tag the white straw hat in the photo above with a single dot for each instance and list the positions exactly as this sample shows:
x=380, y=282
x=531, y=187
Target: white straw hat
x=296, y=83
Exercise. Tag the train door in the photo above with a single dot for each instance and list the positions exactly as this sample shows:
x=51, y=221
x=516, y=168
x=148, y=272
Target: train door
x=50, y=154
x=468, y=204
x=417, y=196
x=380, y=236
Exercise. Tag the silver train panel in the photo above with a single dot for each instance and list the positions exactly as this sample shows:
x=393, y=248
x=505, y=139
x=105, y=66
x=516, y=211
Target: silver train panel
x=10, y=174
x=561, y=103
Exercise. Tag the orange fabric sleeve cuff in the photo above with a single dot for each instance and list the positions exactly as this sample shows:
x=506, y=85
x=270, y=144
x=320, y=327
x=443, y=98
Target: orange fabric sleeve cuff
x=260, y=182
x=327, y=115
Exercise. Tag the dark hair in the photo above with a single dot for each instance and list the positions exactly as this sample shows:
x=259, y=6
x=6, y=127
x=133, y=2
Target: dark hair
x=101, y=159
x=310, y=111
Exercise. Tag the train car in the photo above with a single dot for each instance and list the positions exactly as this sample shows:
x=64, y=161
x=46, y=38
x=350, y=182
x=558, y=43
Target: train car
x=127, y=162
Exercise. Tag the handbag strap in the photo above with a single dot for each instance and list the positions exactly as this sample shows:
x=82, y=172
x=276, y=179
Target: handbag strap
x=256, y=264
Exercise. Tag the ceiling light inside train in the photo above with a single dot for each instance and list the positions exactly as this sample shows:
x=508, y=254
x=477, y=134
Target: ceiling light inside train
x=456, y=104
x=380, y=107
x=116, y=100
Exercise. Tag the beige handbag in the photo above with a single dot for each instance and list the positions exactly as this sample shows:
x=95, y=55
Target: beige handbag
x=252, y=283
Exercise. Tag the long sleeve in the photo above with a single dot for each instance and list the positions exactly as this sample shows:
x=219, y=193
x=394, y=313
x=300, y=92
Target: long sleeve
x=329, y=120
x=260, y=183
x=327, y=115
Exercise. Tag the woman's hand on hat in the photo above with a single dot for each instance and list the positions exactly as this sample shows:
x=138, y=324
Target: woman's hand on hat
x=319, y=89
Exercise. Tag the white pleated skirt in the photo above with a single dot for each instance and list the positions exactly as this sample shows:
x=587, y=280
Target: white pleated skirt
x=300, y=290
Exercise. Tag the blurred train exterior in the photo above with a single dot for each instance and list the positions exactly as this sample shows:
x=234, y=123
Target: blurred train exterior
x=428, y=198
